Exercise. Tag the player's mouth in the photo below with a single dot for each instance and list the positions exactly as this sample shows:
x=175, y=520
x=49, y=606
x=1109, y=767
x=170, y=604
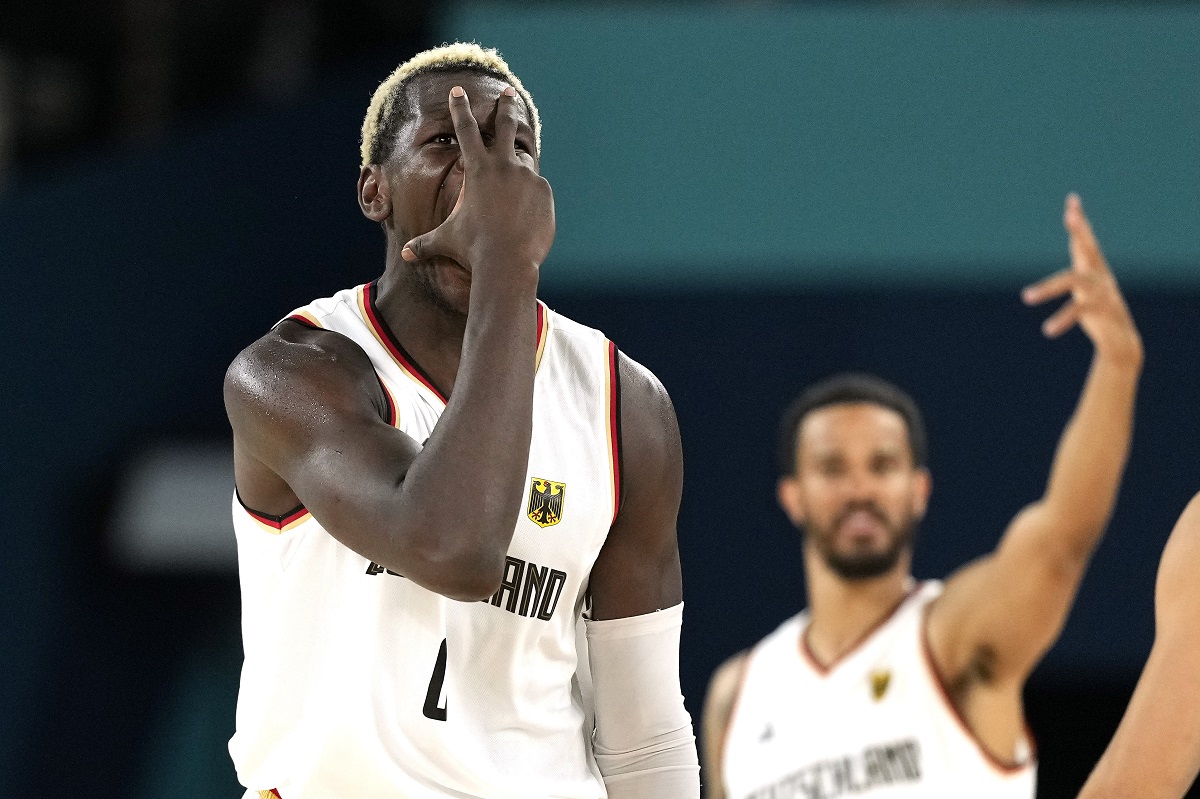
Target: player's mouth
x=862, y=522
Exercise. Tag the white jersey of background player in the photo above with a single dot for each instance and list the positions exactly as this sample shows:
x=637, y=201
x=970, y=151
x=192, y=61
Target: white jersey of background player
x=854, y=479
x=435, y=474
x=878, y=719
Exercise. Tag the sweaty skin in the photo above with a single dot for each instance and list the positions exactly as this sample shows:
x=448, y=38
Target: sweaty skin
x=461, y=197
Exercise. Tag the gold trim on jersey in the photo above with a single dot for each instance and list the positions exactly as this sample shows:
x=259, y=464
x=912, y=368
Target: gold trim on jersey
x=612, y=423
x=277, y=525
x=393, y=408
x=543, y=333
x=305, y=316
x=360, y=295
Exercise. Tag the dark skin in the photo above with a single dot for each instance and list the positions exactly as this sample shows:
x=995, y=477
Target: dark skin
x=468, y=221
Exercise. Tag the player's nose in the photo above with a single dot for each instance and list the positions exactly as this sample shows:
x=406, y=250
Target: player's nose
x=860, y=484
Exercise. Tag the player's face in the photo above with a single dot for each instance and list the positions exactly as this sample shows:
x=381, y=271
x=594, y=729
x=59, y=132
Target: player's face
x=425, y=171
x=856, y=492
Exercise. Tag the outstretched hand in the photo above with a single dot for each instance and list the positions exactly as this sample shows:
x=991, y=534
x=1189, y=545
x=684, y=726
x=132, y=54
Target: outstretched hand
x=1095, y=301
x=505, y=210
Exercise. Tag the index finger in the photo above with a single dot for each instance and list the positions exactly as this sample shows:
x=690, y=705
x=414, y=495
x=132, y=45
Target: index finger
x=1085, y=250
x=465, y=126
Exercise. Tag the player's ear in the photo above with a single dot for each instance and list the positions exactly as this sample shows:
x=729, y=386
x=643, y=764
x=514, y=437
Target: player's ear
x=924, y=485
x=787, y=492
x=374, y=193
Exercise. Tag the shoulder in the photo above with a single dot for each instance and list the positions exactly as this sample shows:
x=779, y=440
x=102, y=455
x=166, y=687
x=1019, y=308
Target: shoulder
x=645, y=403
x=719, y=703
x=292, y=364
x=1182, y=552
x=1178, y=590
x=651, y=449
x=640, y=384
x=727, y=679
x=782, y=639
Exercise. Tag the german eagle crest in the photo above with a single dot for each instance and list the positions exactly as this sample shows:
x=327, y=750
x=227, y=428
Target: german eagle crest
x=545, y=502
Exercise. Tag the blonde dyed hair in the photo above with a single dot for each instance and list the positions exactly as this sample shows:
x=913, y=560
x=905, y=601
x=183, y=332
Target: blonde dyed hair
x=386, y=112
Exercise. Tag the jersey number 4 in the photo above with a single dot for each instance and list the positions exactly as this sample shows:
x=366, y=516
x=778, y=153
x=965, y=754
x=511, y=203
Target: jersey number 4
x=435, y=701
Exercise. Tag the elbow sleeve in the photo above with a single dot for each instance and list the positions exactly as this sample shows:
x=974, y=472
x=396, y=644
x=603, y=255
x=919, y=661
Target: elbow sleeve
x=643, y=741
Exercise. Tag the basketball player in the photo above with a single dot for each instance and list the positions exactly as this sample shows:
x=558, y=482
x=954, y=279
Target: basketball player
x=1156, y=751
x=438, y=479
x=888, y=687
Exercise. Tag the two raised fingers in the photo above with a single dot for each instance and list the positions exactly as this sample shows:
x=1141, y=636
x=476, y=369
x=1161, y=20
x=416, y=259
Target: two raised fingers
x=1048, y=288
x=1081, y=285
x=1063, y=319
x=470, y=140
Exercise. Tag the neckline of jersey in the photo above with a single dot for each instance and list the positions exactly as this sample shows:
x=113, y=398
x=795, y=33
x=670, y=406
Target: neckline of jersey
x=406, y=362
x=824, y=670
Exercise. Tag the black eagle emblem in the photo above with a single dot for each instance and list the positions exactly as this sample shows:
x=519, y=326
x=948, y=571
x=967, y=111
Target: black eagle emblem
x=545, y=502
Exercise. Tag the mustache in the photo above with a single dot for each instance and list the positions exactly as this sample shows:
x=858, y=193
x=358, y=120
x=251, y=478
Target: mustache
x=868, y=506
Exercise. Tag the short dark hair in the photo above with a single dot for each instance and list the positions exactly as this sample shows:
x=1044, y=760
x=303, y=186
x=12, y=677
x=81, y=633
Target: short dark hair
x=844, y=389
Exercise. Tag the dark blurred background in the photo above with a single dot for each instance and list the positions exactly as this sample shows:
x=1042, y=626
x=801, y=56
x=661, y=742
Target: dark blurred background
x=750, y=196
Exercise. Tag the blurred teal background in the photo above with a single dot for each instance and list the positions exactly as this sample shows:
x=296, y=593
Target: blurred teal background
x=783, y=144
x=749, y=197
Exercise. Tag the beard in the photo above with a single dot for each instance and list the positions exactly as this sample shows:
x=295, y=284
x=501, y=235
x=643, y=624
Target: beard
x=427, y=286
x=855, y=566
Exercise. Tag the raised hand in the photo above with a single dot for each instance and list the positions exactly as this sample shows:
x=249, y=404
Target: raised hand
x=1095, y=302
x=505, y=210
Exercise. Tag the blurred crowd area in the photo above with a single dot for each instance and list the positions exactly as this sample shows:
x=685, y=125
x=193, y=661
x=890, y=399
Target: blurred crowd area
x=79, y=76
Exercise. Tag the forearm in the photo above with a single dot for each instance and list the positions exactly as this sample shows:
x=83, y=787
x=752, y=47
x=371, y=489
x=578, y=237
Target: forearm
x=1155, y=753
x=470, y=475
x=1091, y=455
x=644, y=744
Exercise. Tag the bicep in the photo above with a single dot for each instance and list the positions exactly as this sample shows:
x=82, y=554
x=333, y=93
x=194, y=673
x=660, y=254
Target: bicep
x=637, y=570
x=312, y=415
x=1011, y=603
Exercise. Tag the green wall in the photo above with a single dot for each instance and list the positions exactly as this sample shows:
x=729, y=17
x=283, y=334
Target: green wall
x=858, y=143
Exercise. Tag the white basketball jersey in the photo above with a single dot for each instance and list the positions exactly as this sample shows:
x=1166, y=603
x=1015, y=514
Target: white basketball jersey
x=359, y=683
x=876, y=724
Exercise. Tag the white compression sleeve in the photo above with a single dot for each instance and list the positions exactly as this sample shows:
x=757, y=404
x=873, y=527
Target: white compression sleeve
x=643, y=741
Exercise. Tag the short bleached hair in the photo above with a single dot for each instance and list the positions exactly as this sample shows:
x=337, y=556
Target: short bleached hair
x=389, y=106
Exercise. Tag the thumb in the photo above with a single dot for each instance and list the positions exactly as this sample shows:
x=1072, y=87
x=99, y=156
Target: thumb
x=427, y=245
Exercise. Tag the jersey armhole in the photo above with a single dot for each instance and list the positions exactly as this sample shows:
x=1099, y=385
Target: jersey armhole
x=613, y=426
x=272, y=523
x=1026, y=746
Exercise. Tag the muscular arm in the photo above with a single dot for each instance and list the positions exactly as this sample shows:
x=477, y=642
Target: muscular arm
x=303, y=404
x=718, y=710
x=1155, y=753
x=1000, y=614
x=643, y=742
x=637, y=570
